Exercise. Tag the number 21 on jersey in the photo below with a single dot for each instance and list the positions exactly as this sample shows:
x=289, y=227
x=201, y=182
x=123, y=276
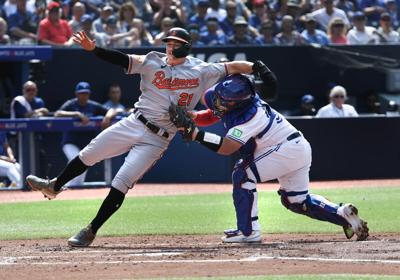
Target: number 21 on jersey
x=185, y=99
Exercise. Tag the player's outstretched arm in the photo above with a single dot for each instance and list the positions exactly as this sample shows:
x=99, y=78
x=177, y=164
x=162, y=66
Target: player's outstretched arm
x=109, y=55
x=221, y=145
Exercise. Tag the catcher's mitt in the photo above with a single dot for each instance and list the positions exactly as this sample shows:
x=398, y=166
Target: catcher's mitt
x=181, y=119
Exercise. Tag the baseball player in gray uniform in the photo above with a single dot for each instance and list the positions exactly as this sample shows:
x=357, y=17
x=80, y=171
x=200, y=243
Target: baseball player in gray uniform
x=170, y=77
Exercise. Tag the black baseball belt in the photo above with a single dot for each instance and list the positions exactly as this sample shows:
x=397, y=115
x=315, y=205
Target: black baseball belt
x=153, y=128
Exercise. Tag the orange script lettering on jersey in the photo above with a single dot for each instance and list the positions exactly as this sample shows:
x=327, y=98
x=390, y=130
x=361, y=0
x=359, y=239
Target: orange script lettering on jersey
x=161, y=82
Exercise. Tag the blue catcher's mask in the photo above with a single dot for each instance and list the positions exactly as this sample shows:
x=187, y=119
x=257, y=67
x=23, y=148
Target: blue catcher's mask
x=233, y=92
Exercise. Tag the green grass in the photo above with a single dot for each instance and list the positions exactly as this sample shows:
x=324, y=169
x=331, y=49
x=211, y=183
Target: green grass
x=189, y=214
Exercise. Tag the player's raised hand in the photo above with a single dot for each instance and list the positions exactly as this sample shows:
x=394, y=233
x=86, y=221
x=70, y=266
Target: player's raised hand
x=82, y=39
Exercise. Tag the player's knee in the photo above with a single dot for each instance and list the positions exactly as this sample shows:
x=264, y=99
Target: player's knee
x=121, y=184
x=298, y=207
x=239, y=176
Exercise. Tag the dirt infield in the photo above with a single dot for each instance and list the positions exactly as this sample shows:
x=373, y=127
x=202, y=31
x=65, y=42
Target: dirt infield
x=201, y=255
x=184, y=256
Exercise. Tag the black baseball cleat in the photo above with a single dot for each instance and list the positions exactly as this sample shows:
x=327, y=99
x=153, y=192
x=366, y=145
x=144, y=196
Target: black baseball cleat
x=83, y=238
x=46, y=186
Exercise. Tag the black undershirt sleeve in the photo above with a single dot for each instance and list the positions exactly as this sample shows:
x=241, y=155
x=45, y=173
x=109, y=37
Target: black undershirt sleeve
x=112, y=56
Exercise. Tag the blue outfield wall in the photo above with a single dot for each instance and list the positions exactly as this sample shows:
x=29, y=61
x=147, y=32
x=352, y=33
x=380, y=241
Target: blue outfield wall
x=354, y=148
x=351, y=148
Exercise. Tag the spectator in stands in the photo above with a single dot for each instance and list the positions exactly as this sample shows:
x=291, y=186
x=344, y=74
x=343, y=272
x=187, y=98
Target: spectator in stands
x=172, y=9
x=259, y=14
x=28, y=105
x=111, y=38
x=216, y=10
x=372, y=10
x=92, y=6
x=8, y=165
x=241, y=9
x=199, y=17
x=213, y=36
x=307, y=107
x=231, y=14
x=280, y=8
x=78, y=10
x=166, y=24
x=53, y=30
x=23, y=25
x=241, y=33
x=391, y=8
x=143, y=9
x=336, y=108
x=294, y=10
x=105, y=13
x=4, y=38
x=385, y=32
x=361, y=34
x=267, y=34
x=347, y=6
x=337, y=32
x=324, y=15
x=312, y=35
x=83, y=108
x=40, y=8
x=86, y=25
x=194, y=32
x=189, y=7
x=126, y=17
x=114, y=98
x=288, y=35
x=142, y=37
x=9, y=7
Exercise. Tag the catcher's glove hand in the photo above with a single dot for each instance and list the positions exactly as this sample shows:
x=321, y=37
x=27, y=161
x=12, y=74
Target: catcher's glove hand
x=181, y=119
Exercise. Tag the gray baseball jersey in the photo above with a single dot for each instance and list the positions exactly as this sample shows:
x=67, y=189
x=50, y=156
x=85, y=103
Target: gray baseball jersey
x=162, y=84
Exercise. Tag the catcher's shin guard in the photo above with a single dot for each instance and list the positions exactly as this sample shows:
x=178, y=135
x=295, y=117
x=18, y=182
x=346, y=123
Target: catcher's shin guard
x=315, y=207
x=245, y=202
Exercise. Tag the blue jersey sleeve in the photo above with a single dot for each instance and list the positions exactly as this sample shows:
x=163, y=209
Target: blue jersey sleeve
x=20, y=110
x=68, y=106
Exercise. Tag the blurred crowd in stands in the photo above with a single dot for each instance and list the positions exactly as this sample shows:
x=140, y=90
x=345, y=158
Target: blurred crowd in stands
x=126, y=24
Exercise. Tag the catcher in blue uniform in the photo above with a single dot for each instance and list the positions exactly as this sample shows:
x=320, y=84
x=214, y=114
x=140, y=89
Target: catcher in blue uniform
x=270, y=148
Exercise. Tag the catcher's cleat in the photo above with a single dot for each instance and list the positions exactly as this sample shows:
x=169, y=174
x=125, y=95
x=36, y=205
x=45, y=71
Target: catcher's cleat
x=358, y=226
x=83, y=238
x=46, y=186
x=348, y=231
x=236, y=236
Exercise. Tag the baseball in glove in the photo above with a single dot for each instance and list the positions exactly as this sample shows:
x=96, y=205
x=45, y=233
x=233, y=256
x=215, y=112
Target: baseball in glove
x=181, y=119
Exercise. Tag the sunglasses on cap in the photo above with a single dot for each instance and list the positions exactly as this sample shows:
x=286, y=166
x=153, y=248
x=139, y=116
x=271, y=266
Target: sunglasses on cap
x=338, y=96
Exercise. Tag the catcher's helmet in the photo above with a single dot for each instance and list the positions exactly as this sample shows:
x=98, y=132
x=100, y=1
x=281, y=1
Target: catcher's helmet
x=181, y=35
x=232, y=92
